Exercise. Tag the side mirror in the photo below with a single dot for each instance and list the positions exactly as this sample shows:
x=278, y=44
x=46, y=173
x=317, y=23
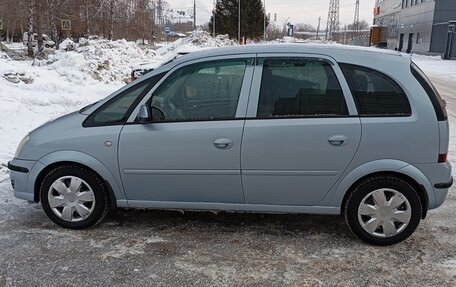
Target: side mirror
x=144, y=115
x=147, y=115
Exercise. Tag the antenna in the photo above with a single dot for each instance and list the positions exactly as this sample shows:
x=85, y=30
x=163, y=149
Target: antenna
x=333, y=19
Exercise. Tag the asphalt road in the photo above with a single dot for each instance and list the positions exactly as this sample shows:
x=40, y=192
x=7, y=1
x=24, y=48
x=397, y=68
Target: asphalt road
x=170, y=248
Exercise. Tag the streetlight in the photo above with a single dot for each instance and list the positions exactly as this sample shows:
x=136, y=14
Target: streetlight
x=239, y=21
x=264, y=22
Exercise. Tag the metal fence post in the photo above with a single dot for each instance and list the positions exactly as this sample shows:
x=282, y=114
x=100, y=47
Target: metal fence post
x=449, y=40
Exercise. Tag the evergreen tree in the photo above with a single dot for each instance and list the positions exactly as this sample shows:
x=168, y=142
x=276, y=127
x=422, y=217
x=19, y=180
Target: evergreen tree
x=252, y=18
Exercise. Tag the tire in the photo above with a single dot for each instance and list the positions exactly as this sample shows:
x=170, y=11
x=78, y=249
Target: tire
x=383, y=210
x=78, y=197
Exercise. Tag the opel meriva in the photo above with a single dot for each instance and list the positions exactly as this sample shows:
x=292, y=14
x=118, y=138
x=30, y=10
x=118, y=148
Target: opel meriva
x=281, y=129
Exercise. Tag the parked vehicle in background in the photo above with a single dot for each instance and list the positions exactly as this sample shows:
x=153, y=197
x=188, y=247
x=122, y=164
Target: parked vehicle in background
x=144, y=68
x=381, y=45
x=139, y=72
x=281, y=129
x=47, y=41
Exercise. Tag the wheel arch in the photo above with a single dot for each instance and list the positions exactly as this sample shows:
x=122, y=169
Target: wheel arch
x=54, y=160
x=424, y=197
x=399, y=169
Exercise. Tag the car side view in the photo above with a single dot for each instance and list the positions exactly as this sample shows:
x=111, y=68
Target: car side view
x=277, y=129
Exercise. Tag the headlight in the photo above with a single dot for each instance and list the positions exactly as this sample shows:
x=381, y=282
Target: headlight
x=21, y=145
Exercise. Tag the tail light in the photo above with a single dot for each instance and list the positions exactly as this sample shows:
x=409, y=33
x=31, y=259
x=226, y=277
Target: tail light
x=443, y=157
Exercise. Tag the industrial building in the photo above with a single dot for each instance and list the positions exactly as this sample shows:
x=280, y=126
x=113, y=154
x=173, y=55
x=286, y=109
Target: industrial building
x=420, y=26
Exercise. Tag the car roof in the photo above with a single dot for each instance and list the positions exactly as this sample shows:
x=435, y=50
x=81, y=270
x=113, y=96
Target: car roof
x=336, y=51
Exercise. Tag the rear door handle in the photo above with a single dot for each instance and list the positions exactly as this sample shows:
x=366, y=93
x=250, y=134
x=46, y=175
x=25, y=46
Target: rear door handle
x=338, y=140
x=223, y=143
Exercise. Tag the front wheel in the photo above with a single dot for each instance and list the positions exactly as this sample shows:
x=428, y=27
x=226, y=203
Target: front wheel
x=383, y=210
x=74, y=197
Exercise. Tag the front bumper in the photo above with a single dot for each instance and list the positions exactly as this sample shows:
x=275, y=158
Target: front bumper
x=19, y=174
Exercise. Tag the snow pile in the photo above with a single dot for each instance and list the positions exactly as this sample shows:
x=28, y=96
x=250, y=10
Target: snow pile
x=111, y=61
x=198, y=40
x=68, y=45
x=96, y=59
x=16, y=77
x=203, y=39
x=3, y=55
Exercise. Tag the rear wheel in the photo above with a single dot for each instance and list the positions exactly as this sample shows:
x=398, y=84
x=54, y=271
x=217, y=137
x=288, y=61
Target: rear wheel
x=74, y=197
x=383, y=210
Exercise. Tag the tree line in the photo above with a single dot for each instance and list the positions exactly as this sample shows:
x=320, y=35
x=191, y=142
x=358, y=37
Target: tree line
x=112, y=19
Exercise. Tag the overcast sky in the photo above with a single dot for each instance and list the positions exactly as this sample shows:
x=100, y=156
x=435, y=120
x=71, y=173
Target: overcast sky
x=298, y=11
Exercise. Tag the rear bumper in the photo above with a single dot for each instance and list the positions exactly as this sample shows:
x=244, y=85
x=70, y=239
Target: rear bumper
x=444, y=185
x=441, y=179
x=19, y=175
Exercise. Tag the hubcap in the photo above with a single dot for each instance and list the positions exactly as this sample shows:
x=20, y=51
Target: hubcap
x=71, y=198
x=384, y=212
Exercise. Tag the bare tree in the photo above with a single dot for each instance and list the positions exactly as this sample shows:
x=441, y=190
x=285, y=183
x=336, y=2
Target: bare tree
x=111, y=19
x=130, y=19
x=51, y=6
x=39, y=26
x=31, y=10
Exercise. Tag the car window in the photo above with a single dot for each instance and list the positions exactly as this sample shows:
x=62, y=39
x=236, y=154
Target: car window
x=375, y=93
x=436, y=100
x=117, y=110
x=203, y=91
x=297, y=87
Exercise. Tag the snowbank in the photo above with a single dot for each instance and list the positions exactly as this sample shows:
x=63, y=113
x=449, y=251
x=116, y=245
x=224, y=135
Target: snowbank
x=198, y=40
x=96, y=59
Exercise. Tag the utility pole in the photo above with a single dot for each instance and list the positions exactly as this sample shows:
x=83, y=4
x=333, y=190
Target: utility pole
x=239, y=21
x=345, y=34
x=194, y=14
x=318, y=28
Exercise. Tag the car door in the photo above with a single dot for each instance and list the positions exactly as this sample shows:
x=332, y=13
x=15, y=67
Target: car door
x=190, y=152
x=301, y=131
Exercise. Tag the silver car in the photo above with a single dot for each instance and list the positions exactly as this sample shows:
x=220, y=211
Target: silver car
x=277, y=129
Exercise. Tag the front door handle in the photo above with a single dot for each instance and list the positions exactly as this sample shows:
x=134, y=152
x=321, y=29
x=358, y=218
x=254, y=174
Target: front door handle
x=223, y=143
x=338, y=140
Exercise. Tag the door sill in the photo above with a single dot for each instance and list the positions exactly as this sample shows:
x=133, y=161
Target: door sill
x=235, y=207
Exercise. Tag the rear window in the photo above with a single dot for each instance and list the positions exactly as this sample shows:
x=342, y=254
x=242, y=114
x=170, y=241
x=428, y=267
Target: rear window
x=375, y=93
x=431, y=91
